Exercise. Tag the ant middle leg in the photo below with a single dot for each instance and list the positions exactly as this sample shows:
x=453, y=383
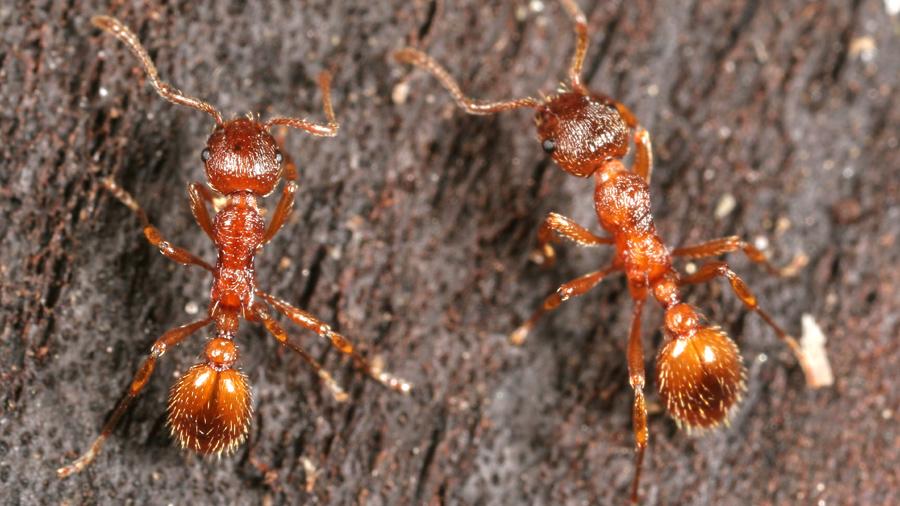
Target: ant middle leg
x=714, y=270
x=168, y=340
x=153, y=235
x=261, y=313
x=728, y=244
x=574, y=288
x=310, y=322
x=470, y=105
x=556, y=224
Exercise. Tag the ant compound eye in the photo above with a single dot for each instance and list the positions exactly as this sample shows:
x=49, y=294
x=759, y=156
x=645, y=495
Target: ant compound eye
x=278, y=157
x=549, y=145
x=204, y=155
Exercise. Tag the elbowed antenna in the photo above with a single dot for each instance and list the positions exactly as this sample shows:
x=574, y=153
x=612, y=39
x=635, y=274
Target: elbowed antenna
x=167, y=91
x=328, y=130
x=470, y=105
x=420, y=59
x=581, y=43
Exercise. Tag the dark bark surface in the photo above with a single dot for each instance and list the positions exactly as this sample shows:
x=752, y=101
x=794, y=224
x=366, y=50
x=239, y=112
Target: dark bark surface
x=411, y=234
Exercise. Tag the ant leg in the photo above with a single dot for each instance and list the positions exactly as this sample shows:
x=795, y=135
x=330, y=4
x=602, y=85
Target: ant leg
x=713, y=270
x=581, y=43
x=733, y=243
x=153, y=235
x=636, y=378
x=308, y=321
x=168, y=340
x=328, y=130
x=200, y=196
x=643, y=157
x=471, y=106
x=262, y=314
x=564, y=227
x=574, y=288
x=643, y=154
x=286, y=203
x=290, y=168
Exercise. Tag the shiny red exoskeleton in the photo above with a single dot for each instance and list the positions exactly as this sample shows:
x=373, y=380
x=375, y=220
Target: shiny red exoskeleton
x=699, y=372
x=209, y=406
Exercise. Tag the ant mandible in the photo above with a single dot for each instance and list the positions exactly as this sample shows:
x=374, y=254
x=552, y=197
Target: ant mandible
x=699, y=371
x=209, y=406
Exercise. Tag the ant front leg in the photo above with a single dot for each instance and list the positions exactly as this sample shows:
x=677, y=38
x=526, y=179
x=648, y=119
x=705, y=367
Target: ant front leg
x=643, y=155
x=168, y=340
x=636, y=378
x=713, y=270
x=262, y=314
x=574, y=288
x=201, y=196
x=724, y=245
x=286, y=203
x=153, y=235
x=310, y=322
x=282, y=211
x=564, y=227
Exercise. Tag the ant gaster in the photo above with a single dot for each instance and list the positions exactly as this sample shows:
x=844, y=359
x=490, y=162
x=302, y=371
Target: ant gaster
x=699, y=371
x=209, y=406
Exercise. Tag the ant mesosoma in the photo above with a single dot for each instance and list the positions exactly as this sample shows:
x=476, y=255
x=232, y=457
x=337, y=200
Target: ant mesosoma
x=209, y=406
x=699, y=371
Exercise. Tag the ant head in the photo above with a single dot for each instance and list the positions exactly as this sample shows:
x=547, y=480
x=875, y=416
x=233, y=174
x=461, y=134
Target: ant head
x=581, y=132
x=241, y=155
x=699, y=373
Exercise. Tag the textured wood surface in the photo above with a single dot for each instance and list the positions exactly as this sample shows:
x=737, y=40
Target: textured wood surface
x=411, y=234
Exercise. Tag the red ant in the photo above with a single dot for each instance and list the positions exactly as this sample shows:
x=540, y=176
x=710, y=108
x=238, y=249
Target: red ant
x=209, y=406
x=698, y=368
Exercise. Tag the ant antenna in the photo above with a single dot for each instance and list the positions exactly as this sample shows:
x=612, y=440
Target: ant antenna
x=471, y=106
x=581, y=43
x=165, y=90
x=317, y=129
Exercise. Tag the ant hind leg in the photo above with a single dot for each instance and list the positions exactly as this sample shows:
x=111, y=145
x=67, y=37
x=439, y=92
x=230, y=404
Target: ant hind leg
x=310, y=322
x=728, y=244
x=168, y=340
x=262, y=314
x=714, y=270
x=636, y=377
